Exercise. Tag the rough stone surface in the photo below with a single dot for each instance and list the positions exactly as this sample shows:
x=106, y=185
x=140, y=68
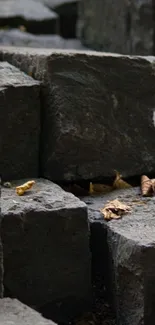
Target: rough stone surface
x=98, y=108
x=20, y=123
x=15, y=37
x=102, y=26
x=36, y=18
x=122, y=26
x=124, y=253
x=46, y=245
x=13, y=312
x=142, y=27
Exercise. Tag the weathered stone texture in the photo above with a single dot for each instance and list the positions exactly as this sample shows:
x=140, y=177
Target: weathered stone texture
x=122, y=26
x=142, y=27
x=124, y=253
x=13, y=312
x=19, y=123
x=102, y=25
x=46, y=245
x=15, y=37
x=98, y=108
x=37, y=19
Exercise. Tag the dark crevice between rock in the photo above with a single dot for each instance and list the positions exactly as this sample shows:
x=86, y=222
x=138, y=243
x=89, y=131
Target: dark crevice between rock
x=153, y=14
x=32, y=26
x=68, y=14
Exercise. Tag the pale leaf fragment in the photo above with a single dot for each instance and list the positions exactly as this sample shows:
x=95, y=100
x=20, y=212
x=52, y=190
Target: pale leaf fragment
x=147, y=186
x=114, y=210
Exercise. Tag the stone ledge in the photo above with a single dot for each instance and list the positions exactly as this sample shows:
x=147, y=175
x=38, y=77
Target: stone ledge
x=19, y=123
x=123, y=253
x=45, y=245
x=97, y=108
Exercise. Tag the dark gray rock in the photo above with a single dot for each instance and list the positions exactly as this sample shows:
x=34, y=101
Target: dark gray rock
x=46, y=245
x=142, y=27
x=1, y=269
x=102, y=27
x=121, y=27
x=124, y=253
x=13, y=312
x=15, y=37
x=35, y=18
x=20, y=123
x=99, y=112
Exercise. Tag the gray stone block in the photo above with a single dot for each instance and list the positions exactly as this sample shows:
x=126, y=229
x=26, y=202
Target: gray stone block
x=13, y=312
x=15, y=37
x=46, y=245
x=20, y=123
x=123, y=252
x=123, y=27
x=99, y=112
x=36, y=18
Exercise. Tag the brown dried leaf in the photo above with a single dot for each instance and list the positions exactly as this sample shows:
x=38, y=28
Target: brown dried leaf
x=119, y=183
x=99, y=188
x=146, y=186
x=114, y=210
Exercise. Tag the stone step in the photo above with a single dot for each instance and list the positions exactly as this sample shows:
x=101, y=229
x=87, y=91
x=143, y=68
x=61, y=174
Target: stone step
x=20, y=123
x=123, y=256
x=13, y=312
x=98, y=112
x=45, y=242
x=36, y=19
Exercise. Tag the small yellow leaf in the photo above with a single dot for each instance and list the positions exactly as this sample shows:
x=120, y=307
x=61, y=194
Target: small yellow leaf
x=119, y=183
x=20, y=190
x=99, y=188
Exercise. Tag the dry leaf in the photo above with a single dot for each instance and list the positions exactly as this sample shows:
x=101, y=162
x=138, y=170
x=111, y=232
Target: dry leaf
x=119, y=183
x=114, y=210
x=146, y=186
x=20, y=190
x=99, y=188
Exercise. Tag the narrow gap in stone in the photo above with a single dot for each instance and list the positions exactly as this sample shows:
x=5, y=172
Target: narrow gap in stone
x=153, y=14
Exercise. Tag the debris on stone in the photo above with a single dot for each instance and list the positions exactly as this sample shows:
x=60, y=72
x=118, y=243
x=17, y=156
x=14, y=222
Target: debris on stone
x=99, y=188
x=20, y=190
x=114, y=210
x=7, y=184
x=119, y=183
x=147, y=186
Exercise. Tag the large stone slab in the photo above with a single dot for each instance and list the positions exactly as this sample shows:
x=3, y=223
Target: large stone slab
x=36, y=18
x=15, y=37
x=46, y=245
x=13, y=312
x=122, y=27
x=99, y=112
x=19, y=123
x=123, y=252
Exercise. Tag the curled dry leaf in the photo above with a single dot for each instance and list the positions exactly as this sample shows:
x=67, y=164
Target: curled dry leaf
x=114, y=210
x=119, y=183
x=147, y=186
x=99, y=188
x=20, y=190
